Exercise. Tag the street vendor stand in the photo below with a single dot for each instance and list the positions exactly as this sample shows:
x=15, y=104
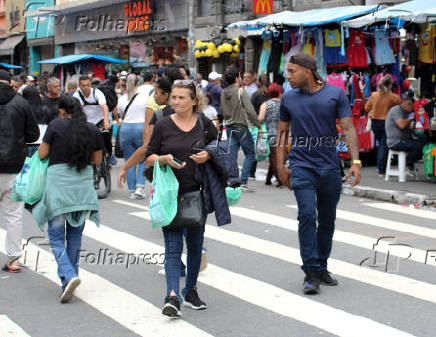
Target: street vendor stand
x=81, y=64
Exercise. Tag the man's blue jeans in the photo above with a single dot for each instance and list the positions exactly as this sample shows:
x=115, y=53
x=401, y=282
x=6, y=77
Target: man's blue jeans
x=67, y=256
x=413, y=147
x=173, y=253
x=131, y=139
x=317, y=192
x=241, y=137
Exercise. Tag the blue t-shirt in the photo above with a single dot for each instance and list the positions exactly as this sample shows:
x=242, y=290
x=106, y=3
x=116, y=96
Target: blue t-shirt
x=313, y=125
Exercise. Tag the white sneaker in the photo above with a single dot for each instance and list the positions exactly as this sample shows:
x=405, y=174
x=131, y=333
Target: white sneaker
x=245, y=188
x=140, y=193
x=132, y=196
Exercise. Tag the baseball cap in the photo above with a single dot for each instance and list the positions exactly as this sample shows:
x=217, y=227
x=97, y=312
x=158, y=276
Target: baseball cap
x=408, y=95
x=5, y=76
x=30, y=78
x=306, y=61
x=213, y=76
x=124, y=73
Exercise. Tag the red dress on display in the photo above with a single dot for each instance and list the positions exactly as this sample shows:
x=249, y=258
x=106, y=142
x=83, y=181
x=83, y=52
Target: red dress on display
x=356, y=53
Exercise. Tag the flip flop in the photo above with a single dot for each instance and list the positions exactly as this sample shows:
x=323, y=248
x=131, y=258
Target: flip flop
x=11, y=270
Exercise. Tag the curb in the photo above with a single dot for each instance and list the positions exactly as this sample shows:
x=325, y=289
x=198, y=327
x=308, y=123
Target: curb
x=399, y=197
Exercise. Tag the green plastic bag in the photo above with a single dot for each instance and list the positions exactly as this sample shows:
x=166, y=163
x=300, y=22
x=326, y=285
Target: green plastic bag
x=233, y=195
x=163, y=196
x=29, y=184
x=428, y=159
x=261, y=145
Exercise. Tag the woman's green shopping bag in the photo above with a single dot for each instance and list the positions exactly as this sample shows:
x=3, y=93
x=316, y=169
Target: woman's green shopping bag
x=163, y=196
x=262, y=145
x=29, y=184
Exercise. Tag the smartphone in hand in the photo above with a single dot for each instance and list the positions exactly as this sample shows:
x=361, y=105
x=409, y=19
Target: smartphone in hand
x=177, y=162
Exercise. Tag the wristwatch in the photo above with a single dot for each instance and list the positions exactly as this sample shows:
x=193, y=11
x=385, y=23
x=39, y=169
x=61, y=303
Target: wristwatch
x=357, y=162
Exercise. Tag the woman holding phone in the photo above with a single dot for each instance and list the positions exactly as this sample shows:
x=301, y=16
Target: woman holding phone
x=177, y=140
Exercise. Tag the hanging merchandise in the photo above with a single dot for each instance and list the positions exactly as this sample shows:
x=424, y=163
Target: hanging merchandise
x=367, y=86
x=411, y=50
x=308, y=47
x=356, y=53
x=297, y=47
x=275, y=59
x=332, y=51
x=337, y=80
x=266, y=52
x=319, y=53
x=383, y=52
x=427, y=43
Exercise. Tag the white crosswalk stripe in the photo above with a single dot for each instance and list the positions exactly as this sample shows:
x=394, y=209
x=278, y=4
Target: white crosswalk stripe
x=358, y=240
x=386, y=206
x=9, y=329
x=267, y=296
x=122, y=306
x=403, y=285
x=383, y=223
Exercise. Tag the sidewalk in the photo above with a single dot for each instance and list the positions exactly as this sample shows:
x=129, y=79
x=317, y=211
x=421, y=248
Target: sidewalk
x=422, y=192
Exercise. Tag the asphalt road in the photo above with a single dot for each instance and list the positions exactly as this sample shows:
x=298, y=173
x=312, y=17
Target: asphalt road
x=252, y=284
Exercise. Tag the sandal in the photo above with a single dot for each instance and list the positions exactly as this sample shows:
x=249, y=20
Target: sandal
x=15, y=270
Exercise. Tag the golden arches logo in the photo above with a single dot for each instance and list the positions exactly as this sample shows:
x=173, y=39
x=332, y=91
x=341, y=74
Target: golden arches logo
x=263, y=6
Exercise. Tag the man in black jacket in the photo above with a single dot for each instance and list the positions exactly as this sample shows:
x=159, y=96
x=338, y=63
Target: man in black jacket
x=18, y=126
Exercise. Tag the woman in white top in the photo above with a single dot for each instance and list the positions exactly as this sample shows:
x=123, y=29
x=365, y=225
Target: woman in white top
x=132, y=106
x=209, y=110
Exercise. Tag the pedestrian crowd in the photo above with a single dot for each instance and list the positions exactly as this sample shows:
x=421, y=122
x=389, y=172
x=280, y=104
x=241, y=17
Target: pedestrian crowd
x=194, y=128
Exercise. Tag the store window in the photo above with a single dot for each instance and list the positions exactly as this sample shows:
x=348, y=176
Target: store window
x=206, y=7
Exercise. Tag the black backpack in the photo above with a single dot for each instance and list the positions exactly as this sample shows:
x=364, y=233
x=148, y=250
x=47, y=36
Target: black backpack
x=110, y=95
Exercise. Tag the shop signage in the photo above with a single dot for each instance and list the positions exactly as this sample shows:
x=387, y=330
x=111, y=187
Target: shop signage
x=262, y=6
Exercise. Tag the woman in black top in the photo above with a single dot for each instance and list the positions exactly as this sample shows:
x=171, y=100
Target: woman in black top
x=181, y=136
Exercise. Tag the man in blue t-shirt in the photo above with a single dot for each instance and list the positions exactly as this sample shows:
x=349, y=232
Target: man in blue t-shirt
x=311, y=110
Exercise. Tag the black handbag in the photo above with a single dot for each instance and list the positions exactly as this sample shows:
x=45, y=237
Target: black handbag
x=190, y=211
x=118, y=148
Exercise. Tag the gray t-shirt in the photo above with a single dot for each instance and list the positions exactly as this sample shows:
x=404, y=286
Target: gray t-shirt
x=393, y=133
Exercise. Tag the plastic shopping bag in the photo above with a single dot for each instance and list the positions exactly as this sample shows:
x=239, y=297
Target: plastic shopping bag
x=163, y=196
x=29, y=184
x=261, y=144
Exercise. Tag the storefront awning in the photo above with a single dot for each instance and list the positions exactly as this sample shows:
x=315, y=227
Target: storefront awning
x=314, y=17
x=7, y=47
x=45, y=41
x=418, y=11
x=9, y=66
x=82, y=57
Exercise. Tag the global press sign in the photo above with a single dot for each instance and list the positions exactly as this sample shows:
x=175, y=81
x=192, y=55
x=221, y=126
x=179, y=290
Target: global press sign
x=262, y=6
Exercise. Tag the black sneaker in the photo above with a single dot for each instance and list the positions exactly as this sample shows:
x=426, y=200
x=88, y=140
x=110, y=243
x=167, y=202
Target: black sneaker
x=327, y=279
x=311, y=283
x=68, y=289
x=172, y=307
x=193, y=301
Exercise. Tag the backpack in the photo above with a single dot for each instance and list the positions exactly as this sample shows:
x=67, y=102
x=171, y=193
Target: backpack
x=110, y=95
x=85, y=102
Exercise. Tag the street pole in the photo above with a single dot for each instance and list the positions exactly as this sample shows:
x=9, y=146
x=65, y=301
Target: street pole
x=191, y=36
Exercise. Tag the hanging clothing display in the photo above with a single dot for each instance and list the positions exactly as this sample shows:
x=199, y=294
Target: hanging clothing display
x=427, y=43
x=411, y=51
x=275, y=58
x=356, y=53
x=332, y=51
x=319, y=53
x=308, y=47
x=337, y=80
x=332, y=38
x=264, y=56
x=383, y=51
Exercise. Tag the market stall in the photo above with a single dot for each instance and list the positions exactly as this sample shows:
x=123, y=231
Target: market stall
x=67, y=66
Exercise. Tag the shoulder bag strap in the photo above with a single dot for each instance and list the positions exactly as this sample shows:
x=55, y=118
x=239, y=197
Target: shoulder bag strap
x=129, y=104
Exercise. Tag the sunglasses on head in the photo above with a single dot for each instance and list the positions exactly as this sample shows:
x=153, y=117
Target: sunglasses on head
x=184, y=82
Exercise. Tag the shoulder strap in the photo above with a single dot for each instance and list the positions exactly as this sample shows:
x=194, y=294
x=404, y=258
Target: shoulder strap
x=82, y=97
x=130, y=103
x=95, y=97
x=200, y=120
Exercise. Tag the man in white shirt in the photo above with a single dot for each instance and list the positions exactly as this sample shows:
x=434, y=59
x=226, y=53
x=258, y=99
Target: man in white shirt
x=94, y=105
x=249, y=82
x=147, y=88
x=201, y=84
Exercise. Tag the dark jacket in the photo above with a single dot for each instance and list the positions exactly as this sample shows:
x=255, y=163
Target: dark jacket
x=18, y=126
x=215, y=175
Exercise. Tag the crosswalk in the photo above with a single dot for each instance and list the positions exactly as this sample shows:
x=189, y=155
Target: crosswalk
x=356, y=314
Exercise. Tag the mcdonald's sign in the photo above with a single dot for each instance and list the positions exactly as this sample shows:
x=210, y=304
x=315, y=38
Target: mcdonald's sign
x=262, y=6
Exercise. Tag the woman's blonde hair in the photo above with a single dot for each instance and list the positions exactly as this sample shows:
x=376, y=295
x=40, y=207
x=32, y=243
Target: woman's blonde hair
x=384, y=84
x=131, y=83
